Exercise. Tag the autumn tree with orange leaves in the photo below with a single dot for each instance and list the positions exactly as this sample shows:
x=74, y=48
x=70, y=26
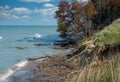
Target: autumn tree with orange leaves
x=61, y=16
x=74, y=19
x=81, y=23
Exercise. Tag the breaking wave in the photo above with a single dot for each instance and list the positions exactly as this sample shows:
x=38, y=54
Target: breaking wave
x=37, y=35
x=17, y=66
x=1, y=37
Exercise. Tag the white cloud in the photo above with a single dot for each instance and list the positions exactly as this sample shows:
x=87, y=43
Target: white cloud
x=21, y=10
x=15, y=17
x=36, y=1
x=25, y=17
x=5, y=7
x=5, y=15
x=48, y=5
x=46, y=11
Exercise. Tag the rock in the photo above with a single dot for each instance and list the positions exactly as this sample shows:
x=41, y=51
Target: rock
x=38, y=45
x=60, y=48
x=57, y=48
x=20, y=48
x=33, y=59
x=61, y=43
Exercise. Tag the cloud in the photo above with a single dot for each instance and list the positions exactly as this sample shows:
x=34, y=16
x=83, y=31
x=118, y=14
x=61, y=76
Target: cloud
x=47, y=14
x=6, y=13
x=15, y=17
x=49, y=11
x=48, y=5
x=37, y=1
x=4, y=7
x=21, y=10
x=25, y=17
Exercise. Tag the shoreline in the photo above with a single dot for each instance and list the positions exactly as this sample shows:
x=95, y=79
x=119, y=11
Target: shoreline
x=19, y=69
x=11, y=70
x=24, y=70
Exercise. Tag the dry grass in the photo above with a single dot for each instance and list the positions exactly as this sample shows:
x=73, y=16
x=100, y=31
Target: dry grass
x=100, y=72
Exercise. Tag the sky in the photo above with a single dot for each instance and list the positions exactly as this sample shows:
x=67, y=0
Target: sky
x=28, y=12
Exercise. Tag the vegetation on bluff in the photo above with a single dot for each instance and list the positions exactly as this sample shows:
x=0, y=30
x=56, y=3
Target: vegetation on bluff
x=104, y=66
x=95, y=26
x=78, y=20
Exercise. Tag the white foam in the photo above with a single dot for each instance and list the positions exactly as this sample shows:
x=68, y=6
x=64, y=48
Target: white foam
x=4, y=76
x=1, y=37
x=37, y=35
x=21, y=64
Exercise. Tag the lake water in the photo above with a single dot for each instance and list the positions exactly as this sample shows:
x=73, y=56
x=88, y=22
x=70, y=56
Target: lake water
x=20, y=42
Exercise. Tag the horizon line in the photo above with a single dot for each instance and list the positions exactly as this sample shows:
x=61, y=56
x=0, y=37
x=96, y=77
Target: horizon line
x=28, y=25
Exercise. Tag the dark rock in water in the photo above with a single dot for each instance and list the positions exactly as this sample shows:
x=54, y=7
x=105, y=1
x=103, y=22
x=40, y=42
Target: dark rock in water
x=33, y=59
x=20, y=48
x=58, y=48
x=61, y=43
x=39, y=44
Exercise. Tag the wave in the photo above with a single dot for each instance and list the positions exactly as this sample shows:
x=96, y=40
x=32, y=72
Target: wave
x=37, y=35
x=45, y=39
x=17, y=66
x=20, y=64
x=4, y=76
x=1, y=37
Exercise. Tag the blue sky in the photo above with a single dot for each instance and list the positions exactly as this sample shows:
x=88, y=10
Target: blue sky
x=28, y=12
